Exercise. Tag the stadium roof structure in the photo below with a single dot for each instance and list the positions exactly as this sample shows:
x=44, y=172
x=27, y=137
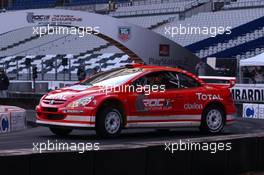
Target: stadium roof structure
x=139, y=43
x=253, y=61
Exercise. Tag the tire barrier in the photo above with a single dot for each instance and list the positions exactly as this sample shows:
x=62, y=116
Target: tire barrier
x=246, y=155
x=12, y=119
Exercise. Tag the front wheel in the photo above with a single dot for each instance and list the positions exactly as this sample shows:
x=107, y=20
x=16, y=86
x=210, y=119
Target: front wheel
x=60, y=131
x=213, y=120
x=109, y=122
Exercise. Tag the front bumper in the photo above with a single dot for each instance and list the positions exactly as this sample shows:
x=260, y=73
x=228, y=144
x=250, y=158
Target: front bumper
x=64, y=124
x=63, y=117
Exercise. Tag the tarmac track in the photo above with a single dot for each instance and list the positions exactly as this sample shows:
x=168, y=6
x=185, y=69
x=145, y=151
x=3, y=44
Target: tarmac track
x=133, y=137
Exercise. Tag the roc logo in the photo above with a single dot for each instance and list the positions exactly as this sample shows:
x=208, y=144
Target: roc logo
x=31, y=18
x=153, y=102
x=124, y=33
x=4, y=124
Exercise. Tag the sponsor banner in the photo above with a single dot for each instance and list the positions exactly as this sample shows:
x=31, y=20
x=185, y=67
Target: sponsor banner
x=4, y=123
x=18, y=121
x=248, y=93
x=254, y=111
x=52, y=19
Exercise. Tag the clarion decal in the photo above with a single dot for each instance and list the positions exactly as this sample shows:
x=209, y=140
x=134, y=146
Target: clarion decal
x=193, y=106
x=248, y=94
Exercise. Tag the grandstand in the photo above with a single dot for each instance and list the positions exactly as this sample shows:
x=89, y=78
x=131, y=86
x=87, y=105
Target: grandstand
x=245, y=17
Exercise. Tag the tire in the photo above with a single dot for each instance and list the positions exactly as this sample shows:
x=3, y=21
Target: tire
x=213, y=120
x=60, y=131
x=109, y=122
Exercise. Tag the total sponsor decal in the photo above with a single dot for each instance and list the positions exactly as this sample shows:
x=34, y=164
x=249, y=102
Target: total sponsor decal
x=157, y=104
x=4, y=123
x=254, y=111
x=205, y=97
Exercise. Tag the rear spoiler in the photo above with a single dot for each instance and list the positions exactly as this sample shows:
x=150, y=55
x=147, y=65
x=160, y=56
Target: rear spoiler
x=227, y=81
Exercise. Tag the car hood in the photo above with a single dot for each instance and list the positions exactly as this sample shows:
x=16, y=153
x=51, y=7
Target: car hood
x=72, y=92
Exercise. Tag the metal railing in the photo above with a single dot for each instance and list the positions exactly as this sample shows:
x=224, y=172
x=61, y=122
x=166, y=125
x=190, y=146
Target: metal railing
x=39, y=46
x=254, y=3
x=190, y=5
x=147, y=2
x=51, y=70
x=147, y=11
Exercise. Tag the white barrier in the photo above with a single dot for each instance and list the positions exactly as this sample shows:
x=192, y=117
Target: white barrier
x=253, y=111
x=251, y=93
x=12, y=119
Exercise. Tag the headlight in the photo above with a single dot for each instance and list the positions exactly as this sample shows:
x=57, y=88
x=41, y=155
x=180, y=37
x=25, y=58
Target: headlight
x=80, y=102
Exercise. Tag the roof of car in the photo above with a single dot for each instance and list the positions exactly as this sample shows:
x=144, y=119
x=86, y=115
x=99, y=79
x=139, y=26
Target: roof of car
x=163, y=68
x=143, y=66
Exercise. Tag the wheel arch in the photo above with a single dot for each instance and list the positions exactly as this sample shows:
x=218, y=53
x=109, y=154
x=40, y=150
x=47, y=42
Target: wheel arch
x=215, y=103
x=112, y=102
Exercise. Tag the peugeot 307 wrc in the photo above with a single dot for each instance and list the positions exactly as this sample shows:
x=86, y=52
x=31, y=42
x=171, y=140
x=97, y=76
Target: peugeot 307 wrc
x=137, y=96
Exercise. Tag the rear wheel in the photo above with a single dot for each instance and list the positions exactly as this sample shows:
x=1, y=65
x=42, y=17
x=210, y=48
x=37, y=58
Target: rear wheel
x=213, y=120
x=109, y=122
x=60, y=131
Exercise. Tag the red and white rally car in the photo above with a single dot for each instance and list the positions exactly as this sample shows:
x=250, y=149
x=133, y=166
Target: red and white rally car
x=137, y=96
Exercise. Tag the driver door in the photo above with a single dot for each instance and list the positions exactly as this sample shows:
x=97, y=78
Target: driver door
x=154, y=99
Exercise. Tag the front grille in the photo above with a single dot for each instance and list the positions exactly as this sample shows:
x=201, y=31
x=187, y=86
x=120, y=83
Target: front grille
x=55, y=116
x=50, y=109
x=53, y=102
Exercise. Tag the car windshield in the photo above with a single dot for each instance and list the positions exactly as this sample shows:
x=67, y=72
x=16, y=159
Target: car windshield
x=113, y=78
